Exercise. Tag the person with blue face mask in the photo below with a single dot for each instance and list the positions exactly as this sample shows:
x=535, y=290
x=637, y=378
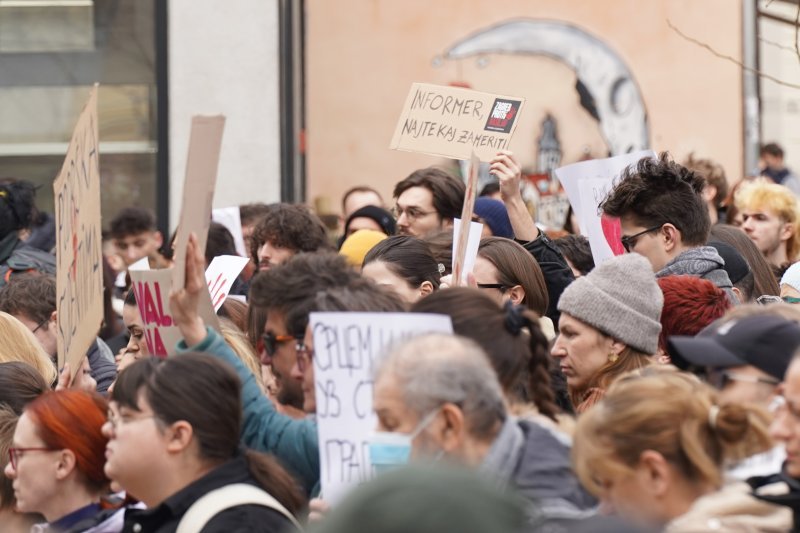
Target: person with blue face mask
x=437, y=397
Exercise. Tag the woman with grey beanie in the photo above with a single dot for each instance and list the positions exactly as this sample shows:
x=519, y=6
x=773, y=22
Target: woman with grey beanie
x=609, y=325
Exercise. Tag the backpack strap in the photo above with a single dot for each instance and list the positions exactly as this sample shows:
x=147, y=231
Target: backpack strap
x=208, y=506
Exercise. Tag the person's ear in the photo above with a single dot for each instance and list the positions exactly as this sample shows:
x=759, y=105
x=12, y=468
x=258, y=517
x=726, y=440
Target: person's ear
x=738, y=294
x=516, y=294
x=787, y=231
x=66, y=464
x=54, y=317
x=655, y=473
x=452, y=431
x=671, y=237
x=179, y=436
x=709, y=192
x=159, y=238
x=425, y=288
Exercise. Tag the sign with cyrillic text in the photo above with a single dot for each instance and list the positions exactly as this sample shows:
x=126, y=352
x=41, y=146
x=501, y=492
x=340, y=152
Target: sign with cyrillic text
x=453, y=122
x=347, y=346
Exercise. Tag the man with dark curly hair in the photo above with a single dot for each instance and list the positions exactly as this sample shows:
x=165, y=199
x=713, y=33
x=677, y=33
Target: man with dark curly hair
x=284, y=231
x=665, y=219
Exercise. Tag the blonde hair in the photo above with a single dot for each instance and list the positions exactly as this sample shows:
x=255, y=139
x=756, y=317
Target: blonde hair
x=237, y=340
x=672, y=413
x=779, y=309
x=629, y=360
x=19, y=344
x=764, y=194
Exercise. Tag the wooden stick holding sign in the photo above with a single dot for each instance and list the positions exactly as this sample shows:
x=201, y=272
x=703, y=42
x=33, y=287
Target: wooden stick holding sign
x=79, y=259
x=466, y=218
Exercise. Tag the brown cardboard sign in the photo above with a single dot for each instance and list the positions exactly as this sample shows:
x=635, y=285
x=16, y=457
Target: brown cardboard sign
x=453, y=122
x=79, y=259
x=466, y=215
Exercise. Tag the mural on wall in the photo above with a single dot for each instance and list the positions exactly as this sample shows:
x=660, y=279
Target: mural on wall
x=605, y=85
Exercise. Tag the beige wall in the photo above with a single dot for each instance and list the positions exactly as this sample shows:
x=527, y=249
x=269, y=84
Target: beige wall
x=362, y=56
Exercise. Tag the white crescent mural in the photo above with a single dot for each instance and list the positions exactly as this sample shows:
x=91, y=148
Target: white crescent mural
x=605, y=84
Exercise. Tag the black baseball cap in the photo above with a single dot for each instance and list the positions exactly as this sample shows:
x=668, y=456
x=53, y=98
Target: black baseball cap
x=765, y=342
x=735, y=264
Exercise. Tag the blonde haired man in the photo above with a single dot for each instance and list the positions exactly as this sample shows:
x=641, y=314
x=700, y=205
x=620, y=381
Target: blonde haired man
x=771, y=218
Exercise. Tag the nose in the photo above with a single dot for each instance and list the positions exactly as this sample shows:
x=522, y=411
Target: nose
x=107, y=429
x=779, y=429
x=266, y=359
x=747, y=225
x=9, y=471
x=132, y=255
x=295, y=373
x=558, y=348
x=263, y=252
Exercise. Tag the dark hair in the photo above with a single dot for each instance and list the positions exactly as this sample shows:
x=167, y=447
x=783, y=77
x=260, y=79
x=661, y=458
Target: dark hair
x=358, y=188
x=17, y=205
x=33, y=297
x=516, y=266
x=290, y=288
x=361, y=294
x=177, y=389
x=773, y=149
x=132, y=221
x=761, y=280
x=713, y=173
x=493, y=187
x=660, y=191
x=220, y=242
x=236, y=311
x=251, y=213
x=448, y=192
x=256, y=320
x=576, y=249
x=407, y=257
x=440, y=244
x=291, y=226
x=521, y=360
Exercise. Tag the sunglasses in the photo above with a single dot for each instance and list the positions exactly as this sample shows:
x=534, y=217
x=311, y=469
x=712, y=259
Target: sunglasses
x=498, y=286
x=271, y=341
x=629, y=241
x=766, y=299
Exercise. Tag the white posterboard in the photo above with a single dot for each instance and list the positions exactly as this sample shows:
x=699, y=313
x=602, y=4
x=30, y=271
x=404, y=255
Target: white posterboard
x=347, y=346
x=587, y=183
x=220, y=276
x=232, y=220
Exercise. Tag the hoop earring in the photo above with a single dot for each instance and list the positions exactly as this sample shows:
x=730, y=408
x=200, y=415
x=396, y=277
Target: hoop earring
x=613, y=358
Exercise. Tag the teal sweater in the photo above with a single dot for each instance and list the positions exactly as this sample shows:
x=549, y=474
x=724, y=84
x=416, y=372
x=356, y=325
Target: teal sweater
x=293, y=442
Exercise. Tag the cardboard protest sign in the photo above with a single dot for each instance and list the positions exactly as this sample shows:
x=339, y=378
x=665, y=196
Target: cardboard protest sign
x=587, y=183
x=152, y=288
x=347, y=346
x=79, y=259
x=205, y=141
x=461, y=236
x=232, y=220
x=453, y=122
x=470, y=252
x=220, y=275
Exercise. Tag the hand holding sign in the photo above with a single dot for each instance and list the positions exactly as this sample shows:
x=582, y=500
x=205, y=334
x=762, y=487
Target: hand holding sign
x=508, y=171
x=184, y=301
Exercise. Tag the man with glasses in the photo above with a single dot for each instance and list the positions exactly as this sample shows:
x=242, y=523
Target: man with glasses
x=427, y=201
x=746, y=359
x=664, y=218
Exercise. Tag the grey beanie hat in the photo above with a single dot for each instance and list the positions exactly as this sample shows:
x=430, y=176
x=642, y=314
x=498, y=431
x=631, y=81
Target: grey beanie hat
x=621, y=298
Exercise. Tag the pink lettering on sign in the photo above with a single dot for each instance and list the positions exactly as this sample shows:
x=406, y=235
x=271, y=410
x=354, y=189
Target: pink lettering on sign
x=151, y=306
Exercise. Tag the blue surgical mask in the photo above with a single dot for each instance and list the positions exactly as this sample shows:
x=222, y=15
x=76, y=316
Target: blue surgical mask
x=388, y=450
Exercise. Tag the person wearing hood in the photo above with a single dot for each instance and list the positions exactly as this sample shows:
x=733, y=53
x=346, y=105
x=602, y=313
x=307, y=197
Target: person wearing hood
x=369, y=217
x=664, y=218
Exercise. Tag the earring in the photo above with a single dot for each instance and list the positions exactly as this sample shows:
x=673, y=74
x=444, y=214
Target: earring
x=613, y=358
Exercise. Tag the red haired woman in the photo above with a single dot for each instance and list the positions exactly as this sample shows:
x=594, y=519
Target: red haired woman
x=57, y=457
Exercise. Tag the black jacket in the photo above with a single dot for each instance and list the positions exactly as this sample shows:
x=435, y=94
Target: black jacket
x=789, y=499
x=557, y=274
x=244, y=518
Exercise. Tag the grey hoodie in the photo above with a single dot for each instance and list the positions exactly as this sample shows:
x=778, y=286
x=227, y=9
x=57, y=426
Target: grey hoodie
x=702, y=262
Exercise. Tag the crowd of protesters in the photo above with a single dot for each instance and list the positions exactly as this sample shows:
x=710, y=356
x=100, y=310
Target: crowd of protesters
x=658, y=390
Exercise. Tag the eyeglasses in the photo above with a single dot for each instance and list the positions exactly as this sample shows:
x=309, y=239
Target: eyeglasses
x=791, y=299
x=15, y=453
x=629, y=241
x=412, y=213
x=766, y=299
x=721, y=380
x=271, y=341
x=118, y=419
x=304, y=357
x=40, y=325
x=498, y=286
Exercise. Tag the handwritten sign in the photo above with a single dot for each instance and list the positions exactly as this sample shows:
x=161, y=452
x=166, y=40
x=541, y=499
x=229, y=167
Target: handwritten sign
x=79, y=260
x=205, y=141
x=587, y=183
x=220, y=276
x=453, y=122
x=347, y=347
x=152, y=288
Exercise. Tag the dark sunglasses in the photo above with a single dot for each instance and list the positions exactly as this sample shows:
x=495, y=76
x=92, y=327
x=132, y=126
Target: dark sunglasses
x=629, y=241
x=499, y=286
x=271, y=341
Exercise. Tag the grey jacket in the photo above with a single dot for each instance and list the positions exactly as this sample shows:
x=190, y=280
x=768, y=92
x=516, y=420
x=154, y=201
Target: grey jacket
x=702, y=262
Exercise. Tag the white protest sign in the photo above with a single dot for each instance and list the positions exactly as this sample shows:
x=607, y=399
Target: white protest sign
x=473, y=241
x=453, y=122
x=221, y=274
x=141, y=264
x=231, y=219
x=347, y=346
x=586, y=184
